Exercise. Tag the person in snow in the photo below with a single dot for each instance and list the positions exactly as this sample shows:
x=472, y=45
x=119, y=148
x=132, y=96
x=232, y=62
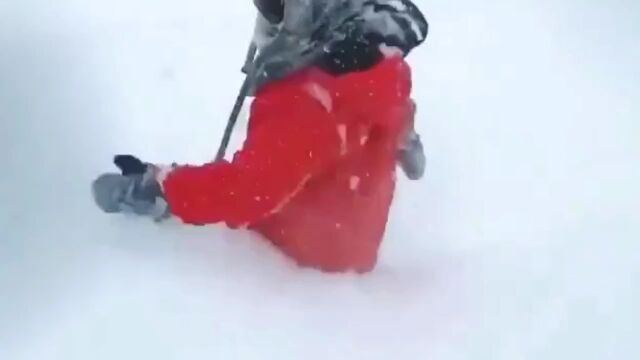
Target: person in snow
x=331, y=118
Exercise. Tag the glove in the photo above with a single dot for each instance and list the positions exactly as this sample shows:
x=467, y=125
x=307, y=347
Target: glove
x=285, y=55
x=134, y=190
x=272, y=11
x=411, y=156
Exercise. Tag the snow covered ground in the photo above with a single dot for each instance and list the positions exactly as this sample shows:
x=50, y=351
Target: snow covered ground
x=523, y=242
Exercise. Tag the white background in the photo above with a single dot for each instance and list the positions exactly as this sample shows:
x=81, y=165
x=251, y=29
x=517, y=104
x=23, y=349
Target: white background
x=521, y=243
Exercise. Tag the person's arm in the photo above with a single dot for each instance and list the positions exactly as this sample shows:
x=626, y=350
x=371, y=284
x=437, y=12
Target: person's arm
x=292, y=138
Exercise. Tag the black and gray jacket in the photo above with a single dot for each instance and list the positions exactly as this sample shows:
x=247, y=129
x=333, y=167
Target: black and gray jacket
x=337, y=35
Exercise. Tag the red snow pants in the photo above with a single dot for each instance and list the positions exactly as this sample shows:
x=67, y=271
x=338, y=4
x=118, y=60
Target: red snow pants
x=316, y=174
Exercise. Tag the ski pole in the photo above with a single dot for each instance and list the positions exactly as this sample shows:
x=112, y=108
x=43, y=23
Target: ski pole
x=242, y=95
x=233, y=118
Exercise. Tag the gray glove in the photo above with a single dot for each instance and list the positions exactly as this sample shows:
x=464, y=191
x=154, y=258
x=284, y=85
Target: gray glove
x=135, y=190
x=285, y=55
x=411, y=156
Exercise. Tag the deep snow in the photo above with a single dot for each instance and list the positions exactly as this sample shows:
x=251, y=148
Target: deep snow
x=521, y=243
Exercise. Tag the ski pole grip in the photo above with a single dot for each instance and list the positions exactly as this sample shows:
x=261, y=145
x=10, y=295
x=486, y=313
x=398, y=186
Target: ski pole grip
x=251, y=54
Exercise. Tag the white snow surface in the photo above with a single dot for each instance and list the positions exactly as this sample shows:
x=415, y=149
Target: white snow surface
x=522, y=242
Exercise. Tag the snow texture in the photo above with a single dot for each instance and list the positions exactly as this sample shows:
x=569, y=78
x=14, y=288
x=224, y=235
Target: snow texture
x=522, y=242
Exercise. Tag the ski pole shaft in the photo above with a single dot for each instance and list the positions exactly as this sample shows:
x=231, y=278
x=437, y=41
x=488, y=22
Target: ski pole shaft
x=233, y=118
x=237, y=107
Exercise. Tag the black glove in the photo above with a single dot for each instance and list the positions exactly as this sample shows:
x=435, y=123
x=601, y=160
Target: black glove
x=130, y=165
x=272, y=10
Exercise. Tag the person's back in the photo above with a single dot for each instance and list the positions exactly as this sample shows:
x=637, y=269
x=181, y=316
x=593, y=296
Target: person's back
x=336, y=218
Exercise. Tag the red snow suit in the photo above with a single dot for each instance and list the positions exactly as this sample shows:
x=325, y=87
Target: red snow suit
x=316, y=174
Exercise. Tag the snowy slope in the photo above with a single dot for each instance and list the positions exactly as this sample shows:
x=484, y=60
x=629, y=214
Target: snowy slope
x=522, y=242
